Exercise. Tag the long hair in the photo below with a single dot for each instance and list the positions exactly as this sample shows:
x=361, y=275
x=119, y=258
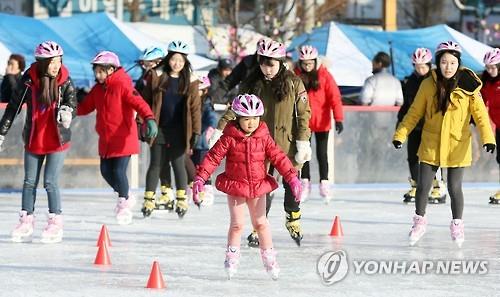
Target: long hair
x=48, y=86
x=184, y=75
x=310, y=79
x=445, y=86
x=280, y=84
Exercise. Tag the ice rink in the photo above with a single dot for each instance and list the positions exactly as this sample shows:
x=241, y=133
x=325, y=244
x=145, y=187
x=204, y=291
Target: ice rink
x=191, y=251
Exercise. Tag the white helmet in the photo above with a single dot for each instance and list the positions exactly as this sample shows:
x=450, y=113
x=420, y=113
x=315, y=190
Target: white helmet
x=178, y=46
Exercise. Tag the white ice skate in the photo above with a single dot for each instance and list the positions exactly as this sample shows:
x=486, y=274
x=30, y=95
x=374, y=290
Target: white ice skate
x=306, y=190
x=24, y=230
x=457, y=232
x=418, y=229
x=270, y=263
x=208, y=198
x=123, y=210
x=232, y=261
x=53, y=232
x=324, y=191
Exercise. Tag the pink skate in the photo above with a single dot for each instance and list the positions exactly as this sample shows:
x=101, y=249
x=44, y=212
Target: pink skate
x=457, y=231
x=306, y=189
x=208, y=198
x=232, y=261
x=324, y=191
x=270, y=263
x=418, y=229
x=24, y=230
x=123, y=209
x=53, y=232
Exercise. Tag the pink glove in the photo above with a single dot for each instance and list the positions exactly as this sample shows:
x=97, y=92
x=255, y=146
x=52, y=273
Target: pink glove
x=296, y=187
x=209, y=132
x=198, y=187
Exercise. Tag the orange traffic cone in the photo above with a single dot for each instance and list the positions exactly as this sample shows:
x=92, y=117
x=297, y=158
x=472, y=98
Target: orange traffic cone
x=104, y=237
x=336, y=228
x=155, y=280
x=102, y=257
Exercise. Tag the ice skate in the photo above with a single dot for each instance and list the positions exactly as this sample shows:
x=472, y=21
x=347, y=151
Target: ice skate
x=123, y=210
x=253, y=239
x=24, y=230
x=270, y=263
x=324, y=191
x=53, y=232
x=232, y=261
x=208, y=197
x=306, y=190
x=293, y=226
x=457, y=232
x=410, y=195
x=166, y=200
x=418, y=229
x=495, y=199
x=149, y=203
x=181, y=205
x=438, y=192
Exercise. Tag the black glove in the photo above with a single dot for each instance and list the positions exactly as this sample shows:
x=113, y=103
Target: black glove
x=489, y=147
x=397, y=144
x=339, y=127
x=194, y=140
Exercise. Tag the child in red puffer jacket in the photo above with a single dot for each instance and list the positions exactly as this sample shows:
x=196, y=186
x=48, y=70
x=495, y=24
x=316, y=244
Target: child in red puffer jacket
x=247, y=144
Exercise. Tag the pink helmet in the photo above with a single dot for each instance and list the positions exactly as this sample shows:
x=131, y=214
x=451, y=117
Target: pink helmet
x=204, y=83
x=308, y=52
x=421, y=55
x=492, y=57
x=247, y=105
x=48, y=49
x=106, y=58
x=449, y=46
x=272, y=49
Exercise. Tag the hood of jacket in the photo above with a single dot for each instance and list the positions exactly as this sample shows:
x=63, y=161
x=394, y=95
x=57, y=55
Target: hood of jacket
x=234, y=131
x=62, y=76
x=468, y=82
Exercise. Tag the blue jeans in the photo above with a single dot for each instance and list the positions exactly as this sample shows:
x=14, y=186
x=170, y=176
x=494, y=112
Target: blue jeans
x=114, y=171
x=32, y=168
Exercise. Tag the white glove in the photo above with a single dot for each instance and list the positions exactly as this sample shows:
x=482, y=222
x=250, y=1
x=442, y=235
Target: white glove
x=64, y=116
x=304, y=151
x=2, y=138
x=214, y=138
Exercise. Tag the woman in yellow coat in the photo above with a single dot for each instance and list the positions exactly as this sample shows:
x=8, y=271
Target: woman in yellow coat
x=446, y=100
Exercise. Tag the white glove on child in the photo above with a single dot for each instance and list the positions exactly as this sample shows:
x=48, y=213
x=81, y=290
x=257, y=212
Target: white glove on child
x=304, y=151
x=64, y=116
x=214, y=138
x=2, y=138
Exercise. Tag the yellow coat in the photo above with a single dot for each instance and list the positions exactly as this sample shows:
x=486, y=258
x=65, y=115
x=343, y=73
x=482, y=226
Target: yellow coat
x=446, y=140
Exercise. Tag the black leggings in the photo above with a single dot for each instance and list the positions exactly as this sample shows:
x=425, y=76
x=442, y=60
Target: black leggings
x=455, y=178
x=160, y=156
x=413, y=144
x=321, y=155
x=289, y=201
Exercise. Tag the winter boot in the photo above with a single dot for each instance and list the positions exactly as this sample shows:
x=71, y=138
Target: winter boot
x=149, y=203
x=438, y=192
x=293, y=226
x=495, y=199
x=418, y=229
x=54, y=231
x=324, y=191
x=270, y=263
x=208, y=198
x=123, y=209
x=306, y=190
x=166, y=200
x=457, y=231
x=24, y=230
x=181, y=205
x=253, y=239
x=232, y=261
x=410, y=195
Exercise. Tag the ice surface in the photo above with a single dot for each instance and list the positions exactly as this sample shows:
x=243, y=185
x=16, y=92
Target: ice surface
x=191, y=251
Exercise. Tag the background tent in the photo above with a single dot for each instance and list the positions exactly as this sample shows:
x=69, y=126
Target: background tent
x=349, y=49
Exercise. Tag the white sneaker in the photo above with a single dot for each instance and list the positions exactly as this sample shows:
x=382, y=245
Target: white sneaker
x=24, y=230
x=53, y=232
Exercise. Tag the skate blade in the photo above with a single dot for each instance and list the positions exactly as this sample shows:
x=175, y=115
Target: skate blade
x=297, y=240
x=274, y=274
x=253, y=244
x=52, y=239
x=124, y=220
x=230, y=273
x=21, y=239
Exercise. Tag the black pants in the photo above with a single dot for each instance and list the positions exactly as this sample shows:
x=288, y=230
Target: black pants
x=455, y=178
x=497, y=136
x=114, y=171
x=161, y=156
x=289, y=201
x=321, y=155
x=413, y=144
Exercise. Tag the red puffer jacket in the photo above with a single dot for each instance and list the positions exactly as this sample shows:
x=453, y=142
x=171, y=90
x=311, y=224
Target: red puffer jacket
x=115, y=102
x=246, y=173
x=323, y=101
x=491, y=96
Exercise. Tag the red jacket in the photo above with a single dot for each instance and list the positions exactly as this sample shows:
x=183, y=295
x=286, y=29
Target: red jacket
x=115, y=102
x=491, y=96
x=246, y=174
x=323, y=101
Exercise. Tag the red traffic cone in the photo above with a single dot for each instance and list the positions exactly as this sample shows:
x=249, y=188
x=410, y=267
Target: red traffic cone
x=102, y=257
x=336, y=228
x=155, y=280
x=104, y=237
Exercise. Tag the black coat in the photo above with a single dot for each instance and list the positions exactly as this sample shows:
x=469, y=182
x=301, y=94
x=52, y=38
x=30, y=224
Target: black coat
x=410, y=88
x=217, y=91
x=9, y=83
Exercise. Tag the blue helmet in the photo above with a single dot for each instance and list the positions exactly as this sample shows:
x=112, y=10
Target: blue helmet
x=152, y=53
x=178, y=46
